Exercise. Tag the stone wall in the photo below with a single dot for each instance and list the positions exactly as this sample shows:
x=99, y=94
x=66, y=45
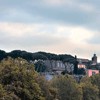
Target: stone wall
x=53, y=65
x=56, y=65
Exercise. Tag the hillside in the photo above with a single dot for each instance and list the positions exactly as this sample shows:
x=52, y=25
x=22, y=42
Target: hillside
x=36, y=56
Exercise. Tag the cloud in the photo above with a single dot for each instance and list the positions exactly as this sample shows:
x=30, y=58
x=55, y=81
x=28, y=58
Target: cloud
x=22, y=29
x=79, y=5
x=59, y=26
x=95, y=39
x=73, y=12
x=44, y=37
x=17, y=29
x=27, y=35
x=57, y=3
x=80, y=34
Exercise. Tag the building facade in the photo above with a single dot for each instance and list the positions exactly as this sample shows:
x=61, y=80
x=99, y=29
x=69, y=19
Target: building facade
x=91, y=72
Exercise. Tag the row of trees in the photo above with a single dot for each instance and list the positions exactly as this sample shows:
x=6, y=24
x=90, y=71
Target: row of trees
x=40, y=55
x=43, y=56
x=35, y=56
x=19, y=81
x=69, y=89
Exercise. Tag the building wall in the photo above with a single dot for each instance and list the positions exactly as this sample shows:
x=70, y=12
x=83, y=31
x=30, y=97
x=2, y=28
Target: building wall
x=81, y=66
x=91, y=72
x=59, y=66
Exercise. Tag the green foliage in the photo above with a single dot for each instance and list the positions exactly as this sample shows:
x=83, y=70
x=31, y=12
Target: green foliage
x=81, y=71
x=67, y=88
x=95, y=80
x=20, y=81
x=48, y=91
x=2, y=92
x=5, y=95
x=17, y=77
x=35, y=56
x=40, y=66
x=50, y=56
x=90, y=90
x=67, y=58
x=2, y=54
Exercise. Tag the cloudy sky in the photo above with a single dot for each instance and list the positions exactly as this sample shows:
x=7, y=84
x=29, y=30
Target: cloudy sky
x=56, y=26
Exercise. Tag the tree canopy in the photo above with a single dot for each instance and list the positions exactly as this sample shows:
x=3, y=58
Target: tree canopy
x=17, y=77
x=68, y=89
x=37, y=55
x=20, y=81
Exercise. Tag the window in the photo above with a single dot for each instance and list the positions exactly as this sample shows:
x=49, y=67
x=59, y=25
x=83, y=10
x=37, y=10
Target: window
x=93, y=73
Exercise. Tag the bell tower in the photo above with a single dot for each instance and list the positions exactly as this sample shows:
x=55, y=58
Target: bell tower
x=94, y=59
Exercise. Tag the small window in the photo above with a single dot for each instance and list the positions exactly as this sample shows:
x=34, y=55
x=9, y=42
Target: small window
x=93, y=73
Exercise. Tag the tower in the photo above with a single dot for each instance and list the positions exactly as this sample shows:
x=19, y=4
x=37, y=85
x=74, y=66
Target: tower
x=94, y=59
x=75, y=66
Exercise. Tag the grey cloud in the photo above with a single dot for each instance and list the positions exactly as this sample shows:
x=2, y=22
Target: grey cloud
x=39, y=40
x=28, y=41
x=37, y=11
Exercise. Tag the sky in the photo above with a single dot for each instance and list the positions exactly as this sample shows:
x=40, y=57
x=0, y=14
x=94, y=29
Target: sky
x=56, y=26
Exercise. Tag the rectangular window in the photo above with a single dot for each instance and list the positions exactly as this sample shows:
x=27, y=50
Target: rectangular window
x=93, y=73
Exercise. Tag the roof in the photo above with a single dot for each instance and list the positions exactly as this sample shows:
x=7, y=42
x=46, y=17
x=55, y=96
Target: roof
x=83, y=60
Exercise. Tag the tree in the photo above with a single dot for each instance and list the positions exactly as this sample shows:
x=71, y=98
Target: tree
x=2, y=92
x=48, y=91
x=81, y=71
x=2, y=54
x=5, y=95
x=76, y=66
x=40, y=66
x=90, y=91
x=95, y=80
x=67, y=88
x=18, y=78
